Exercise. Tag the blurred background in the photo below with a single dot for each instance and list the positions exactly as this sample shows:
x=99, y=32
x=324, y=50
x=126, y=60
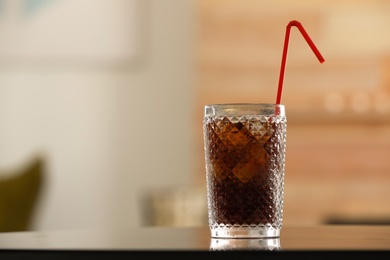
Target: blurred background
x=101, y=106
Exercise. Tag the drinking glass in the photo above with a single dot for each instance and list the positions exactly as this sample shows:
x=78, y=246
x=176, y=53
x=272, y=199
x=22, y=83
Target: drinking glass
x=245, y=148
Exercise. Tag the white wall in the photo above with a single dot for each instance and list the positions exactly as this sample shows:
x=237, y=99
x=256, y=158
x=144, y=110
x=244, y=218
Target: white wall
x=156, y=116
x=109, y=132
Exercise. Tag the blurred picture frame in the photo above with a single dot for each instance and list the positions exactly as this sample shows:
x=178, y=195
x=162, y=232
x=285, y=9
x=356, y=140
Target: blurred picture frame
x=71, y=31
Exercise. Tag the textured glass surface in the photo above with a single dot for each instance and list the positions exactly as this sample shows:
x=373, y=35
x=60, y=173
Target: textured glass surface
x=266, y=244
x=245, y=173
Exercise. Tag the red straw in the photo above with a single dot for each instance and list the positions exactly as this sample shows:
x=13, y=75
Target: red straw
x=286, y=39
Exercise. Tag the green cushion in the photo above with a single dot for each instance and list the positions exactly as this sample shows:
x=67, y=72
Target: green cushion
x=18, y=196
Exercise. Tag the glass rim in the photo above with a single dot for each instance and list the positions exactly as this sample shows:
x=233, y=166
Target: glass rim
x=244, y=104
x=244, y=109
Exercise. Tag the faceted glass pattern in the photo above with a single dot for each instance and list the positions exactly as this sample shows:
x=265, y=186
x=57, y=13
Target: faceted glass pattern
x=263, y=244
x=244, y=157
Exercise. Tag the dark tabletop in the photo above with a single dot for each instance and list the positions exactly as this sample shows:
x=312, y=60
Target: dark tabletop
x=328, y=239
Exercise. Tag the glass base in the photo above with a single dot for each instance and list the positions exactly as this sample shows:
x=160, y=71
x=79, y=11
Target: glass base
x=225, y=244
x=259, y=232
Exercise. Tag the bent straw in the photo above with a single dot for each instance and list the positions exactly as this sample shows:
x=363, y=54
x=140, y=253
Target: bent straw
x=284, y=56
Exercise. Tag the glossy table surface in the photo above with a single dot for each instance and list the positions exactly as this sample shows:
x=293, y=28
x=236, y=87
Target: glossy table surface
x=331, y=238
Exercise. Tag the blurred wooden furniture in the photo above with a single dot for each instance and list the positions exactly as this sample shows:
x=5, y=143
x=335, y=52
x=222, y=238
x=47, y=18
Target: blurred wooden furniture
x=338, y=112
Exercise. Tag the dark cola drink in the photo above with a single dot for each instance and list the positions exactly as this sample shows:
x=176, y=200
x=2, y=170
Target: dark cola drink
x=244, y=153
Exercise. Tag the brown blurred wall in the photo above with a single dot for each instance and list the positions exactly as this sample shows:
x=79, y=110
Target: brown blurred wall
x=338, y=138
